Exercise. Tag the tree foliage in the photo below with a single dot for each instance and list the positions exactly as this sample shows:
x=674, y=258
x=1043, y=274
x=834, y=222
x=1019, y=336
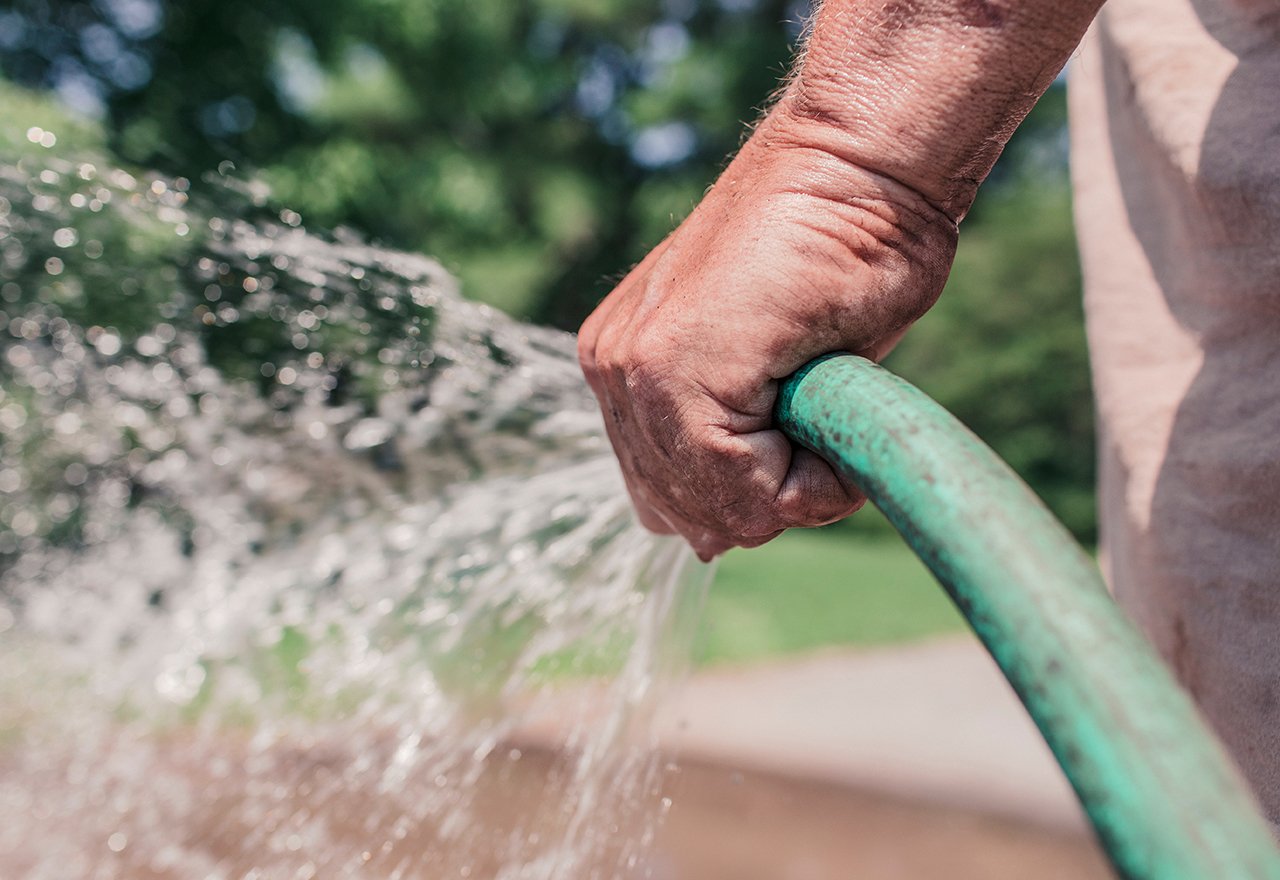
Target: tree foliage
x=540, y=147
x=537, y=147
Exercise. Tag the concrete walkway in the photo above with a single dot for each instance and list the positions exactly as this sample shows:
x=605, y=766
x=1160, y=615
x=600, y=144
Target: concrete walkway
x=932, y=721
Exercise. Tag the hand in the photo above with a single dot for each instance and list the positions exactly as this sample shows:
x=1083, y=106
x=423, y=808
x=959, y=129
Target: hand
x=793, y=253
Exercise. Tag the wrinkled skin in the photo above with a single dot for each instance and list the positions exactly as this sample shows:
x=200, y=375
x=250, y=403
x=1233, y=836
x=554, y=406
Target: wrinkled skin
x=793, y=253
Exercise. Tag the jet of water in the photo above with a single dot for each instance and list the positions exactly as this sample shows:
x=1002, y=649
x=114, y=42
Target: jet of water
x=298, y=549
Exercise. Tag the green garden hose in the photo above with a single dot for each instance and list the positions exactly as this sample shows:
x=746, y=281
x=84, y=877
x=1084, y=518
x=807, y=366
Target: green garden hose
x=1161, y=793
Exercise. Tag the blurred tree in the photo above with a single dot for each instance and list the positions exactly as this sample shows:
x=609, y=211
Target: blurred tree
x=540, y=147
x=535, y=146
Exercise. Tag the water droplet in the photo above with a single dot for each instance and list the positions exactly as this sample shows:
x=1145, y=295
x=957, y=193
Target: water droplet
x=24, y=523
x=75, y=474
x=13, y=416
x=68, y=423
x=117, y=842
x=368, y=433
x=107, y=344
x=19, y=355
x=149, y=346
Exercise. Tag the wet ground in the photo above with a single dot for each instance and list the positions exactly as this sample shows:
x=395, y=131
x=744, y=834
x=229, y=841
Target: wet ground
x=913, y=762
x=730, y=826
x=214, y=821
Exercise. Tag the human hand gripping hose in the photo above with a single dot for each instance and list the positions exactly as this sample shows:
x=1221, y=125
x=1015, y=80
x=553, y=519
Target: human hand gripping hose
x=1164, y=798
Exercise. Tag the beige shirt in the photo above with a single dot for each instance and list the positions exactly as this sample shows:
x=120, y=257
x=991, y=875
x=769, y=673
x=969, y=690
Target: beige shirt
x=1175, y=112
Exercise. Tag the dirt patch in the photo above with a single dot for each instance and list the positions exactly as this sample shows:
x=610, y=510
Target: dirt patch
x=300, y=811
x=725, y=825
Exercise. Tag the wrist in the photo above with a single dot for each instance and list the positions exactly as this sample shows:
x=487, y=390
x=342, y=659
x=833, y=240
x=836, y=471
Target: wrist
x=863, y=254
x=794, y=155
x=865, y=134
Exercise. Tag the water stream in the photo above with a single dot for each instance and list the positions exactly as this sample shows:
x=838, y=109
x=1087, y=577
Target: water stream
x=308, y=566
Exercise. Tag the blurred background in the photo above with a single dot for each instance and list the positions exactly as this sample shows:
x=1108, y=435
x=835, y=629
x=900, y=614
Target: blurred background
x=539, y=148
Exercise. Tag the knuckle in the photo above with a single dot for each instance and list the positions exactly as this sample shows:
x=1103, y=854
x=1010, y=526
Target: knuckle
x=757, y=540
x=806, y=510
x=613, y=355
x=587, y=354
x=709, y=546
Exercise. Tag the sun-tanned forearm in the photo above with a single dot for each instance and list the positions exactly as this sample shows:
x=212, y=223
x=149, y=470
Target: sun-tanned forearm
x=928, y=91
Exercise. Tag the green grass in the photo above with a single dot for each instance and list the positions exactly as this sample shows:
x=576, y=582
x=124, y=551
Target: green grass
x=820, y=588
